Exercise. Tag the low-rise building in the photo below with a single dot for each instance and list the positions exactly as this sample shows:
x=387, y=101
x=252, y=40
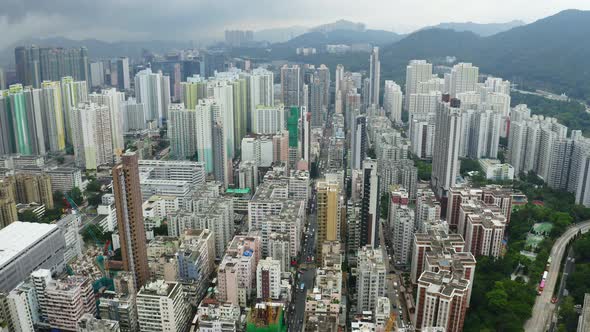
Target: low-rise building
x=494, y=170
x=26, y=247
x=215, y=316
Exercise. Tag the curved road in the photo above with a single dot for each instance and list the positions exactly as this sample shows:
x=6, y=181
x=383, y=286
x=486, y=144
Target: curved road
x=543, y=308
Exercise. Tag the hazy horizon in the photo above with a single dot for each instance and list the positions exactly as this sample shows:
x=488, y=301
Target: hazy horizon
x=205, y=20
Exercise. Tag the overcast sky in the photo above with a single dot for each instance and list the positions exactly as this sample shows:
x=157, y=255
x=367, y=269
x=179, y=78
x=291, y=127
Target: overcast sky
x=113, y=20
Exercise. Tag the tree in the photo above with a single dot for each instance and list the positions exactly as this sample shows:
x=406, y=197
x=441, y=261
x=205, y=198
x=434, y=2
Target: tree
x=93, y=186
x=76, y=195
x=60, y=160
x=162, y=230
x=469, y=165
x=28, y=215
x=567, y=313
x=384, y=203
x=94, y=199
x=58, y=199
x=51, y=215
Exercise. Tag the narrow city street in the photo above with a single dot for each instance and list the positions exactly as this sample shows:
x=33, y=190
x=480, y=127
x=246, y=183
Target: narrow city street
x=307, y=276
x=394, y=280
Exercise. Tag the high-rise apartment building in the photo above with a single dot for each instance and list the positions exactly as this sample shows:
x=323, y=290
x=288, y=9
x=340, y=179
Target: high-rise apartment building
x=91, y=135
x=153, y=90
x=237, y=271
x=268, y=279
x=427, y=210
x=403, y=225
x=370, y=204
x=272, y=209
x=67, y=300
x=123, y=80
x=114, y=101
x=268, y=119
x=292, y=86
x=531, y=143
x=162, y=306
x=55, y=130
x=238, y=38
x=444, y=275
x=34, y=188
x=328, y=213
x=392, y=101
x=35, y=65
x=73, y=93
x=374, y=77
x=359, y=142
x=8, y=213
x=128, y=201
x=371, y=280
x=416, y=71
x=445, y=159
x=464, y=78
x=482, y=226
x=183, y=132
x=22, y=121
x=205, y=209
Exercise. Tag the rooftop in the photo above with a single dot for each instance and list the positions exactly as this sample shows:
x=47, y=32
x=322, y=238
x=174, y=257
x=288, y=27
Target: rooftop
x=19, y=236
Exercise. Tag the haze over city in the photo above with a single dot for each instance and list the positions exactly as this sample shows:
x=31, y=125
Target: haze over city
x=205, y=20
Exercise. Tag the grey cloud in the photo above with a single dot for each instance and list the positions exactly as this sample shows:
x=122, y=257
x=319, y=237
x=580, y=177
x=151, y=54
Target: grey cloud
x=206, y=19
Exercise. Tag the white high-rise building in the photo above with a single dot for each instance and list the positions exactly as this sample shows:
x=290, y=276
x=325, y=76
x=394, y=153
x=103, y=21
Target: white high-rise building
x=258, y=149
x=182, y=131
x=134, y=116
x=392, y=101
x=205, y=111
x=96, y=74
x=174, y=170
x=91, y=133
x=224, y=116
x=416, y=71
x=114, y=100
x=261, y=88
x=497, y=84
x=463, y=78
x=153, y=90
x=21, y=308
x=421, y=103
x=374, y=77
x=73, y=93
x=162, y=306
x=531, y=144
x=268, y=279
x=248, y=175
x=403, y=234
x=480, y=134
x=445, y=156
x=268, y=119
x=428, y=210
x=370, y=284
x=272, y=210
x=422, y=129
